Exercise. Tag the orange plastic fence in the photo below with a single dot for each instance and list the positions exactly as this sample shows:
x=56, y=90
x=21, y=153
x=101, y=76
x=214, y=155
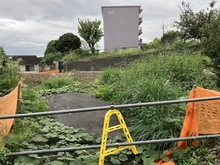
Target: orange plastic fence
x=8, y=106
x=201, y=118
x=50, y=71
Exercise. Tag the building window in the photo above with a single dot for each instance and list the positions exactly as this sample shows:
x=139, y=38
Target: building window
x=29, y=68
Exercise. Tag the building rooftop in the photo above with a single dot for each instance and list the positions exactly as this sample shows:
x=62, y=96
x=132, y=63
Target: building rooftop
x=128, y=6
x=121, y=6
x=26, y=59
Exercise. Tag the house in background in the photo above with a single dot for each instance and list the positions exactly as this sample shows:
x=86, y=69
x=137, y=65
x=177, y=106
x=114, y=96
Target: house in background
x=27, y=63
x=121, y=27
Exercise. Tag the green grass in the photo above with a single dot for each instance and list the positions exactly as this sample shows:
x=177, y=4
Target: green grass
x=156, y=78
x=125, y=52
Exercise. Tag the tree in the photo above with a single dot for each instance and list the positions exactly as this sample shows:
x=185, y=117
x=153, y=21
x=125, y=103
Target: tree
x=169, y=37
x=206, y=27
x=50, y=57
x=191, y=23
x=51, y=53
x=90, y=32
x=8, y=73
x=56, y=49
x=211, y=44
x=51, y=47
x=67, y=43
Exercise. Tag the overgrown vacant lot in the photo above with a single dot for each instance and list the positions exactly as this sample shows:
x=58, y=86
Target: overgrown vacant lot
x=156, y=78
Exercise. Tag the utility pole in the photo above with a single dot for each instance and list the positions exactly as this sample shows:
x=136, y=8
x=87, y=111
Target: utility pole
x=163, y=28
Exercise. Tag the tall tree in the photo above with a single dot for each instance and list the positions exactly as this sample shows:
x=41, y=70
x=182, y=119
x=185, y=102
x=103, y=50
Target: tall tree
x=211, y=44
x=203, y=25
x=68, y=42
x=9, y=75
x=90, y=32
x=56, y=49
x=191, y=23
x=51, y=47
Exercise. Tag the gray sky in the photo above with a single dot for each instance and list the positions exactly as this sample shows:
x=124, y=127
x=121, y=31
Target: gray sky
x=26, y=26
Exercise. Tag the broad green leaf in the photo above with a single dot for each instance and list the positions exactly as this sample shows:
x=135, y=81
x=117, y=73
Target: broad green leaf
x=137, y=158
x=115, y=161
x=123, y=157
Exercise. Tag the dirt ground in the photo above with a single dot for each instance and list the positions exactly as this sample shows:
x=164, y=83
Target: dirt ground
x=82, y=76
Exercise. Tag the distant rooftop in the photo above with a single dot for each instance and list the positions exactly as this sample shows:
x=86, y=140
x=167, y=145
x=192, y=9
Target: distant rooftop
x=128, y=6
x=26, y=59
x=121, y=6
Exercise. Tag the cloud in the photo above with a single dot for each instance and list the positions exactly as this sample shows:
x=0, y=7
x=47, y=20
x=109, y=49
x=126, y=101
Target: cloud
x=26, y=26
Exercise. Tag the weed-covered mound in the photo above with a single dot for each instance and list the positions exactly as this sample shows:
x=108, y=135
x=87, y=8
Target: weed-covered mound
x=157, y=78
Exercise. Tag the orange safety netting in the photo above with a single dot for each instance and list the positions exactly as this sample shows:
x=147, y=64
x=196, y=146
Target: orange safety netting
x=8, y=106
x=201, y=118
x=50, y=71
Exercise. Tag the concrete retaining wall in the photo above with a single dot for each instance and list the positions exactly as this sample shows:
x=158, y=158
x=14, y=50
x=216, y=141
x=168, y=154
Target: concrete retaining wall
x=98, y=64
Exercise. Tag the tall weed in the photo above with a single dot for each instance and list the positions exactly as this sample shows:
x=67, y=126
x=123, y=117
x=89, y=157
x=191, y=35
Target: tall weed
x=156, y=78
x=184, y=70
x=56, y=83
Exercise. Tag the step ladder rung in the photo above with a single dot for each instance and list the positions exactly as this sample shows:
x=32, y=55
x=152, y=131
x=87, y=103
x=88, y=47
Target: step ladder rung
x=114, y=128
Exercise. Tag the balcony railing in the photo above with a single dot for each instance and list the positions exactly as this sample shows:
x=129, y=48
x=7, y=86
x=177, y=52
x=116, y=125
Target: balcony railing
x=140, y=41
x=140, y=10
x=140, y=30
x=140, y=20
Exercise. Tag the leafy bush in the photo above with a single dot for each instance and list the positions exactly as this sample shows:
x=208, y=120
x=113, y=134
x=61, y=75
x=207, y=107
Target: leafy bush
x=32, y=101
x=76, y=54
x=56, y=83
x=9, y=76
x=109, y=76
x=169, y=37
x=211, y=44
x=105, y=93
x=197, y=155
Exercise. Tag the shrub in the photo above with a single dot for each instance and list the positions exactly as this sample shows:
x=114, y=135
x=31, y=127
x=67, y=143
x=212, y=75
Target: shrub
x=110, y=76
x=105, y=93
x=211, y=44
x=57, y=83
x=9, y=76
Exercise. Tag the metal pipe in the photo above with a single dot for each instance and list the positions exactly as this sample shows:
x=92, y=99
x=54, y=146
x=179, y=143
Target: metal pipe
x=109, y=107
x=113, y=145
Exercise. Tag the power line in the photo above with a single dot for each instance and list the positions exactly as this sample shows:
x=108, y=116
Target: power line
x=204, y=4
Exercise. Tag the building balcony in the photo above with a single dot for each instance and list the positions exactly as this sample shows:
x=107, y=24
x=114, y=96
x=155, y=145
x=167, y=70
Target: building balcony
x=140, y=10
x=140, y=20
x=140, y=31
x=140, y=41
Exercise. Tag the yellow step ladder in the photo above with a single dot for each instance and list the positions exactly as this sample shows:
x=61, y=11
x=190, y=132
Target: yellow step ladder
x=107, y=129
